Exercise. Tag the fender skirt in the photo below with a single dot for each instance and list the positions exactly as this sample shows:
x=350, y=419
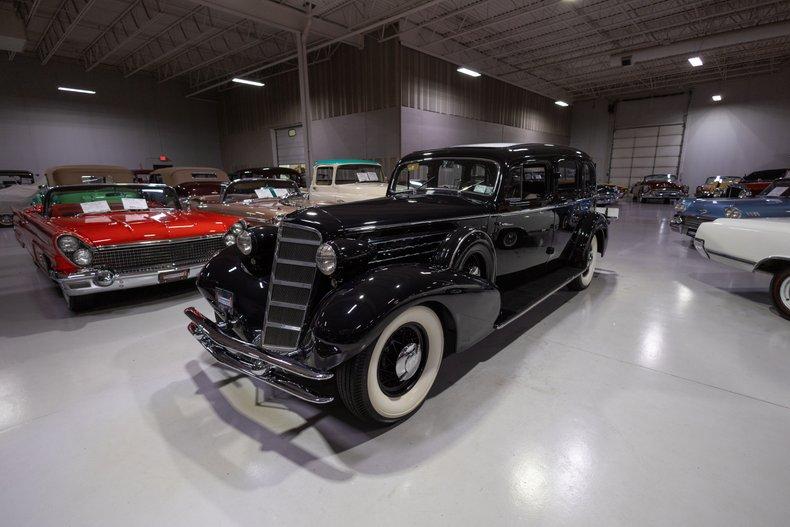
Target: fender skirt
x=350, y=318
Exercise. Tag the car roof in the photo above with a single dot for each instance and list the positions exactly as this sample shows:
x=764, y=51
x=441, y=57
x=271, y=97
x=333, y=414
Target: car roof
x=346, y=162
x=501, y=151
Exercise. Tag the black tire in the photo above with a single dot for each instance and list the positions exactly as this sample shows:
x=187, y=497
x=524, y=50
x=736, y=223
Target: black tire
x=780, y=292
x=477, y=261
x=359, y=381
x=584, y=280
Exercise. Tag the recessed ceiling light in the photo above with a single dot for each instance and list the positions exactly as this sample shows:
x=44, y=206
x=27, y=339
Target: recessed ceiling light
x=716, y=98
x=251, y=83
x=467, y=71
x=695, y=61
x=561, y=103
x=76, y=90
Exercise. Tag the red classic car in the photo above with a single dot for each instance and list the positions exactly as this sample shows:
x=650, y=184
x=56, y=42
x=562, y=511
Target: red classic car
x=100, y=237
x=663, y=187
x=758, y=181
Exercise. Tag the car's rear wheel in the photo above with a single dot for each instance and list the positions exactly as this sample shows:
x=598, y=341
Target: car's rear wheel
x=780, y=292
x=585, y=279
x=390, y=380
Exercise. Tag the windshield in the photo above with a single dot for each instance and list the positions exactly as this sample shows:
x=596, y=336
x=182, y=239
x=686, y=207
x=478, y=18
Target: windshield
x=462, y=175
x=721, y=179
x=66, y=202
x=670, y=178
x=358, y=174
x=266, y=188
x=778, y=189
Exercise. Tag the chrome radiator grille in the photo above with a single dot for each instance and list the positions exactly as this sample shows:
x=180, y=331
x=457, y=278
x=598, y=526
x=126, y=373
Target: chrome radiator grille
x=292, y=278
x=157, y=256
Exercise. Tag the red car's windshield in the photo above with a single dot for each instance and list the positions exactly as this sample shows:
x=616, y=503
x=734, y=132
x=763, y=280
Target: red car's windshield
x=80, y=200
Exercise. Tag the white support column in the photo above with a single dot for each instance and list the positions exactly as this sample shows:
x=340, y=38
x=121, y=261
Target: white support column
x=304, y=96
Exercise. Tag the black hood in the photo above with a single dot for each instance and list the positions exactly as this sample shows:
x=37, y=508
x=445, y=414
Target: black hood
x=391, y=210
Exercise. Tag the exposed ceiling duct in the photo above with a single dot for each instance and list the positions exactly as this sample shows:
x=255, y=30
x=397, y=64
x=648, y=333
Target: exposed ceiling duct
x=698, y=45
x=12, y=34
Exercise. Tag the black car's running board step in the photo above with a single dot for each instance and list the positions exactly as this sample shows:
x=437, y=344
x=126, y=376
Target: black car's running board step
x=516, y=301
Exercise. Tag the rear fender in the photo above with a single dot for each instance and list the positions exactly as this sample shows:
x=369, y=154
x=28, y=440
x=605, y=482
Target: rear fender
x=772, y=264
x=591, y=224
x=351, y=317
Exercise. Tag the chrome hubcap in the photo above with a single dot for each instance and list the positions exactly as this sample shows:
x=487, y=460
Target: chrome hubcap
x=408, y=361
x=784, y=292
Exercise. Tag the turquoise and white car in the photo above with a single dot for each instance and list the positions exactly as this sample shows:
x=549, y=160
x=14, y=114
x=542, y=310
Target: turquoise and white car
x=344, y=180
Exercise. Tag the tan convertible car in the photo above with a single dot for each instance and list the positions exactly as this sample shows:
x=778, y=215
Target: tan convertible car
x=259, y=200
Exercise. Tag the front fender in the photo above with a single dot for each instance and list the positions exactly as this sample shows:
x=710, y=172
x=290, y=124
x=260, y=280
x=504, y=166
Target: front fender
x=457, y=242
x=591, y=224
x=350, y=318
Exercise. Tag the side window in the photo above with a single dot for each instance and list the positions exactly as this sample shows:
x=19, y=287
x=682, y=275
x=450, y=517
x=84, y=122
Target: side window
x=588, y=175
x=323, y=176
x=566, y=180
x=511, y=186
x=534, y=182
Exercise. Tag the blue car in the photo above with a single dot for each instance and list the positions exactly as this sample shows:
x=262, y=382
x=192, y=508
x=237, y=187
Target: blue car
x=773, y=202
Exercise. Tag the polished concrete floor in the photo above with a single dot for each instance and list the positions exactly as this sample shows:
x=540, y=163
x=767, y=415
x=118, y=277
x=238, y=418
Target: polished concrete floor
x=659, y=396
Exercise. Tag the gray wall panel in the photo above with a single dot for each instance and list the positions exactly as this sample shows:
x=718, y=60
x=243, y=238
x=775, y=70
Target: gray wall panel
x=129, y=122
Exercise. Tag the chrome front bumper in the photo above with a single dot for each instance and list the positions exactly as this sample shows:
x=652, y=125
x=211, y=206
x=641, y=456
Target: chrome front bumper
x=86, y=282
x=255, y=362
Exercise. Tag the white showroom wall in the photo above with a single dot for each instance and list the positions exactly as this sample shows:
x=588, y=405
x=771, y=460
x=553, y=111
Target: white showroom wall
x=749, y=130
x=129, y=122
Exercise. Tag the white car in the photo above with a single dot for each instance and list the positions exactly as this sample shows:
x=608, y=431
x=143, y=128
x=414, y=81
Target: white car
x=343, y=180
x=753, y=245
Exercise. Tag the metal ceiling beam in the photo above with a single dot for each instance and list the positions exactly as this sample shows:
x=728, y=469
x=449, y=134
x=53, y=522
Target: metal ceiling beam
x=282, y=17
x=169, y=41
x=63, y=22
x=26, y=12
x=126, y=26
x=356, y=32
x=436, y=19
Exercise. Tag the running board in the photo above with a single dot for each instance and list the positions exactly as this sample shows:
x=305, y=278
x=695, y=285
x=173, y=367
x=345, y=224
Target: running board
x=518, y=301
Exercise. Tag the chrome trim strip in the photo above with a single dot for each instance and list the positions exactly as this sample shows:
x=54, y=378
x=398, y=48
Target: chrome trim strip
x=729, y=257
x=296, y=262
x=283, y=326
x=287, y=304
x=298, y=240
x=157, y=242
x=292, y=284
x=538, y=301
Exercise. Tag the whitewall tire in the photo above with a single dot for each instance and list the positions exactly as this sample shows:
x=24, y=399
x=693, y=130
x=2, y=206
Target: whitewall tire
x=592, y=255
x=390, y=381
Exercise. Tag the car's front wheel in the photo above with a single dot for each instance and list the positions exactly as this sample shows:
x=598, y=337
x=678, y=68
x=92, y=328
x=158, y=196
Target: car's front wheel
x=780, y=292
x=390, y=380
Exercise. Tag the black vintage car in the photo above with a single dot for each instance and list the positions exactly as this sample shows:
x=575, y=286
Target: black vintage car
x=362, y=300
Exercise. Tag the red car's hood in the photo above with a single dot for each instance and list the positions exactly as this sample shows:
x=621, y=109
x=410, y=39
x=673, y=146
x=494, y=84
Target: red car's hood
x=662, y=184
x=129, y=227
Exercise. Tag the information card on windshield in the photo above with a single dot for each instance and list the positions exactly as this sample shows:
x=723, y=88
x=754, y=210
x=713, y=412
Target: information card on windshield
x=95, y=206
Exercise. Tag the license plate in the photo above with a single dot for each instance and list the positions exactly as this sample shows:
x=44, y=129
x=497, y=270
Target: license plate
x=609, y=212
x=173, y=276
x=224, y=298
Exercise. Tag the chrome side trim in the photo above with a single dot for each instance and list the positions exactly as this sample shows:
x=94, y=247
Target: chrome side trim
x=729, y=257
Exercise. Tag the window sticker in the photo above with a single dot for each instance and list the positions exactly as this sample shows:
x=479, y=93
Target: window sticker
x=269, y=192
x=777, y=191
x=134, y=204
x=95, y=206
x=366, y=176
x=483, y=189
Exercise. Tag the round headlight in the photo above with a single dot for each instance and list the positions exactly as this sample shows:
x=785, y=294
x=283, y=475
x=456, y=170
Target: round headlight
x=244, y=242
x=82, y=257
x=326, y=259
x=68, y=244
x=229, y=239
x=237, y=228
x=732, y=212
